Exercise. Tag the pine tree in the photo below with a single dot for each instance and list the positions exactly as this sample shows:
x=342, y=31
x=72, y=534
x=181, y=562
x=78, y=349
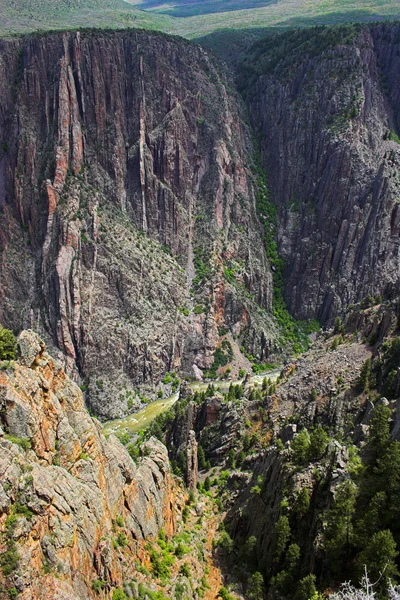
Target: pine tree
x=379, y=433
x=365, y=373
x=302, y=502
x=300, y=446
x=201, y=458
x=281, y=537
x=379, y=558
x=255, y=590
x=339, y=532
x=8, y=344
x=318, y=442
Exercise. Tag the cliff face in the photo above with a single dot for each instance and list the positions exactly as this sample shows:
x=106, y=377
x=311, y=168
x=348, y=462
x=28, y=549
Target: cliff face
x=124, y=194
x=67, y=493
x=325, y=105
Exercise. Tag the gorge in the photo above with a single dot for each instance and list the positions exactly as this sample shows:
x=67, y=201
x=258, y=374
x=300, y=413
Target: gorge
x=167, y=220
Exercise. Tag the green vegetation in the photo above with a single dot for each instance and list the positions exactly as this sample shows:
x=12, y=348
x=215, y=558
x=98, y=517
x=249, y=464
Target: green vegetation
x=202, y=265
x=9, y=559
x=365, y=375
x=393, y=137
x=283, y=54
x=173, y=379
x=98, y=585
x=119, y=521
x=23, y=443
x=293, y=333
x=119, y=594
x=222, y=22
x=8, y=344
x=222, y=356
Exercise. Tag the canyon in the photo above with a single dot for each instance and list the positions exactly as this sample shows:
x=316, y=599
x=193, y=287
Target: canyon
x=167, y=220
x=132, y=222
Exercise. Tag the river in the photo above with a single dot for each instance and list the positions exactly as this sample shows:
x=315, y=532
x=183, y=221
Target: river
x=141, y=419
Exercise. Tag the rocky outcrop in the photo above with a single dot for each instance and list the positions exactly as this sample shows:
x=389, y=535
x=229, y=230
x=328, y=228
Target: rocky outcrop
x=124, y=198
x=74, y=507
x=325, y=105
x=191, y=461
x=214, y=424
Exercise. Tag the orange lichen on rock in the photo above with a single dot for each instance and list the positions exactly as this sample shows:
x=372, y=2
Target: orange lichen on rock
x=74, y=483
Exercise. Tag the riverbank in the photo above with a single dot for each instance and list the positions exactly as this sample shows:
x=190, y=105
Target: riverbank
x=134, y=422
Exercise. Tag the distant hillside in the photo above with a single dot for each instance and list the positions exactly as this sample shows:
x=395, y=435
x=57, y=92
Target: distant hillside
x=193, y=19
x=20, y=16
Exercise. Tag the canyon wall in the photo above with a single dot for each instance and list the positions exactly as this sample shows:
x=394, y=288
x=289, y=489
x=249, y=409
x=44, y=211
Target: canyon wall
x=324, y=104
x=125, y=197
x=66, y=492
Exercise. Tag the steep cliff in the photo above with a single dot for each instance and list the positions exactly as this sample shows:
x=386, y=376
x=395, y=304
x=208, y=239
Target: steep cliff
x=301, y=463
x=324, y=103
x=74, y=507
x=128, y=227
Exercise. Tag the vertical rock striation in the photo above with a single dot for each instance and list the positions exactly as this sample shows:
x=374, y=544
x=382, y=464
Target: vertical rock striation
x=124, y=184
x=325, y=104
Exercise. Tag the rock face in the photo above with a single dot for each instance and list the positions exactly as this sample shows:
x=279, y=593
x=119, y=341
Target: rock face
x=73, y=504
x=191, y=461
x=326, y=107
x=124, y=186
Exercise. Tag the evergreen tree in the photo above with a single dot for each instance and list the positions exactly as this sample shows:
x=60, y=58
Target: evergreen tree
x=306, y=588
x=281, y=537
x=201, y=458
x=8, y=344
x=387, y=475
x=255, y=590
x=318, y=442
x=379, y=558
x=379, y=433
x=339, y=533
x=371, y=522
x=300, y=446
x=302, y=502
x=365, y=373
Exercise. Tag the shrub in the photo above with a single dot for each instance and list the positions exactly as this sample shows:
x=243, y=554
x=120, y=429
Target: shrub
x=98, y=585
x=8, y=344
x=119, y=594
x=23, y=443
x=318, y=442
x=224, y=594
x=185, y=570
x=181, y=550
x=121, y=539
x=119, y=521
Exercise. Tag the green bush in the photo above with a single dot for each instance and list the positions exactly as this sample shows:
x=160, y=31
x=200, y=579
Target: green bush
x=8, y=344
x=224, y=594
x=23, y=443
x=119, y=594
x=98, y=585
x=9, y=559
x=319, y=440
x=122, y=539
x=300, y=446
x=185, y=570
